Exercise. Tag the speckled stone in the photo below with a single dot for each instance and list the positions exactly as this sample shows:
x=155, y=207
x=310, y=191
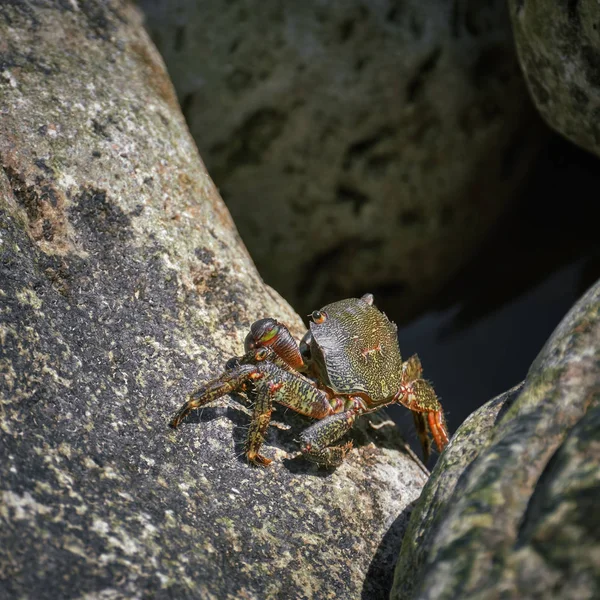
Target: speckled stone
x=360, y=146
x=559, y=49
x=510, y=510
x=123, y=283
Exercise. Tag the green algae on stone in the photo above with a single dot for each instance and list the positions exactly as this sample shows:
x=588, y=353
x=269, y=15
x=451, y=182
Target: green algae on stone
x=492, y=525
x=123, y=283
x=559, y=51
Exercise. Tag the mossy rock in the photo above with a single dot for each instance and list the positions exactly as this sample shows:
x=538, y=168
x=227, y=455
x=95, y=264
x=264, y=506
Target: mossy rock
x=510, y=508
x=559, y=50
x=367, y=146
x=124, y=283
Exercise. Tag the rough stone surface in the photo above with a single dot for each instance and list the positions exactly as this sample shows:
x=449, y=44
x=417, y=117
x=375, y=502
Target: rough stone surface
x=510, y=510
x=123, y=282
x=559, y=49
x=360, y=146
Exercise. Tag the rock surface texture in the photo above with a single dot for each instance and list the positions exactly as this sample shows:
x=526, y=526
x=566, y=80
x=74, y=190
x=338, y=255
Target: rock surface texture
x=559, y=50
x=510, y=510
x=123, y=283
x=360, y=146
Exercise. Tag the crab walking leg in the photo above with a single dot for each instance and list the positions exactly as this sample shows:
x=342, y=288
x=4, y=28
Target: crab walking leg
x=424, y=397
x=228, y=382
x=420, y=397
x=263, y=408
x=412, y=369
x=421, y=427
x=298, y=393
x=287, y=389
x=437, y=425
x=317, y=439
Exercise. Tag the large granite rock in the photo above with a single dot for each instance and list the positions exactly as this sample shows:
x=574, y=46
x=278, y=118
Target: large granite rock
x=360, y=146
x=559, y=50
x=123, y=282
x=510, y=510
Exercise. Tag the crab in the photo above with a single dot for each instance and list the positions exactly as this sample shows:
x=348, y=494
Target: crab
x=347, y=364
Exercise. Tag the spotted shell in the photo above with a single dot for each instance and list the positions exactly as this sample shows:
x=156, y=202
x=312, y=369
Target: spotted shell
x=355, y=349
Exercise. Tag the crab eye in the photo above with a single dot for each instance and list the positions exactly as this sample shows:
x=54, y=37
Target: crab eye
x=318, y=316
x=261, y=354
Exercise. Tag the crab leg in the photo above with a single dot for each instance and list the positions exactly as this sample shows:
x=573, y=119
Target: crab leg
x=421, y=427
x=263, y=408
x=298, y=393
x=420, y=397
x=437, y=425
x=412, y=369
x=228, y=382
x=288, y=389
x=317, y=439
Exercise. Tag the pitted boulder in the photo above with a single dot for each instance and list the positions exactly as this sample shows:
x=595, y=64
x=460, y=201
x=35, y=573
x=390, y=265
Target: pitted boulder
x=559, y=51
x=123, y=283
x=359, y=145
x=509, y=511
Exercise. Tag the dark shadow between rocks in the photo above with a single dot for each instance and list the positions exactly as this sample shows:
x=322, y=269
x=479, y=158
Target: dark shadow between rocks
x=301, y=466
x=380, y=575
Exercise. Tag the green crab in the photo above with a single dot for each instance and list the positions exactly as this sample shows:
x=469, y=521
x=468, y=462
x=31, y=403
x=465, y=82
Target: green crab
x=347, y=364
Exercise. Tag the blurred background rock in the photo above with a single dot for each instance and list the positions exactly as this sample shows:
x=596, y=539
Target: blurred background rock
x=392, y=147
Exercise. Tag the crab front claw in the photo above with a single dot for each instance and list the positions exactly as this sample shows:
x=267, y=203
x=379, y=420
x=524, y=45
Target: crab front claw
x=269, y=333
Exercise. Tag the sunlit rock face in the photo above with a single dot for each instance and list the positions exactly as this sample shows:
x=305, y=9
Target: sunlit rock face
x=123, y=285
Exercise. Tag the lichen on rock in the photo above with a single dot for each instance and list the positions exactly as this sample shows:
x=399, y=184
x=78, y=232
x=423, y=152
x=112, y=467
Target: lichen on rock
x=559, y=50
x=124, y=283
x=508, y=509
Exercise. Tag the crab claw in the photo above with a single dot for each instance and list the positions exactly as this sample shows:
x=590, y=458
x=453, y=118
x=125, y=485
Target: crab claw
x=272, y=334
x=261, y=333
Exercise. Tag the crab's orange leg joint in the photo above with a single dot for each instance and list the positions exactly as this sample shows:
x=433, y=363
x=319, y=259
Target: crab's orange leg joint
x=418, y=395
x=438, y=430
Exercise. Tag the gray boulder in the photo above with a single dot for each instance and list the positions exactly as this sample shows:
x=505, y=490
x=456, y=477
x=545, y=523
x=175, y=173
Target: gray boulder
x=559, y=50
x=510, y=510
x=359, y=145
x=123, y=283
